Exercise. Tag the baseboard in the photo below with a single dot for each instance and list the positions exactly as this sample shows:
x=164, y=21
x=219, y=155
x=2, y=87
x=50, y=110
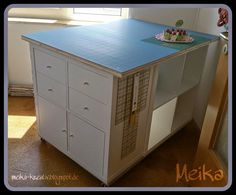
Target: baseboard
x=20, y=90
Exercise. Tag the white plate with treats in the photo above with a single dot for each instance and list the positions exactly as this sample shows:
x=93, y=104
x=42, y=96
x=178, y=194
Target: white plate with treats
x=174, y=36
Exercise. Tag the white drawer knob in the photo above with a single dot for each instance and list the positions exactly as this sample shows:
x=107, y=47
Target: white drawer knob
x=86, y=83
x=50, y=89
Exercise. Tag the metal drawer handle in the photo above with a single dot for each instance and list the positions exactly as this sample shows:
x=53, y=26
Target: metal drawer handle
x=86, y=83
x=71, y=135
x=86, y=108
x=63, y=130
x=50, y=89
x=49, y=67
x=225, y=49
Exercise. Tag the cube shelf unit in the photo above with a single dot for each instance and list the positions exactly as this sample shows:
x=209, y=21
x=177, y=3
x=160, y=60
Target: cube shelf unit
x=175, y=93
x=179, y=75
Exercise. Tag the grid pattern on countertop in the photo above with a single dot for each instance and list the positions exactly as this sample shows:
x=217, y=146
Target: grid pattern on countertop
x=117, y=45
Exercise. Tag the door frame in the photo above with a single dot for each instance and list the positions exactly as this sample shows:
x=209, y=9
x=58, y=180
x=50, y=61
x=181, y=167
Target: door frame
x=216, y=110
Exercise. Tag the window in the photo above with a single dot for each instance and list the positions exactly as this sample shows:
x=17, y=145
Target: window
x=98, y=14
x=98, y=11
x=78, y=14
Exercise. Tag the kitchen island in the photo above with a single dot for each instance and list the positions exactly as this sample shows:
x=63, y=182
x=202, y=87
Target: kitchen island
x=106, y=95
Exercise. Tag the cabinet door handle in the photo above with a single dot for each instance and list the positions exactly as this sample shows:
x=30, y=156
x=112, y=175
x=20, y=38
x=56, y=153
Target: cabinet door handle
x=50, y=89
x=48, y=67
x=63, y=130
x=71, y=135
x=86, y=108
x=86, y=83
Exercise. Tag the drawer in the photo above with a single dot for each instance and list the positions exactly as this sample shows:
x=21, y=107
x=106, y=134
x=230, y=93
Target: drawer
x=86, y=145
x=89, y=83
x=52, y=124
x=90, y=109
x=51, y=66
x=51, y=90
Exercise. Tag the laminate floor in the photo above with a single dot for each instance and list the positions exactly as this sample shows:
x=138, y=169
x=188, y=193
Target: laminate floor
x=32, y=162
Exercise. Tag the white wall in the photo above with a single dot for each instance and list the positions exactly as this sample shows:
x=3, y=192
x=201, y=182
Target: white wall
x=207, y=20
x=166, y=16
x=19, y=65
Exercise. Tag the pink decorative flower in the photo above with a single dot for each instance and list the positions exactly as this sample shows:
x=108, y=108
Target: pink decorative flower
x=223, y=17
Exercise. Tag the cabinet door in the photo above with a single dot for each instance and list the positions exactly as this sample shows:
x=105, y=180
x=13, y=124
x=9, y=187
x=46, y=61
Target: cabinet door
x=52, y=124
x=86, y=145
x=162, y=119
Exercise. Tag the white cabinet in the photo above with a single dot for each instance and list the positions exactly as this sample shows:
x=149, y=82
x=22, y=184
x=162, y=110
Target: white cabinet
x=73, y=105
x=52, y=123
x=86, y=144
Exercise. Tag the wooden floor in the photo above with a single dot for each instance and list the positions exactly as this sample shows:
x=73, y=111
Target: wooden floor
x=45, y=166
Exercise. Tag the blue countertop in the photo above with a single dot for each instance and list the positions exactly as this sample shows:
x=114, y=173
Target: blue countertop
x=119, y=46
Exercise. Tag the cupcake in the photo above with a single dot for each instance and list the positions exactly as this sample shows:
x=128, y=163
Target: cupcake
x=176, y=34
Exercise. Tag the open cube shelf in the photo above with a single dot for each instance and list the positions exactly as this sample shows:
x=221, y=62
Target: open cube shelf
x=169, y=80
x=184, y=109
x=193, y=67
x=176, y=76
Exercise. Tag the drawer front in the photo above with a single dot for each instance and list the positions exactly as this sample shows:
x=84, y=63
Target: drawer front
x=52, y=124
x=90, y=109
x=51, y=66
x=89, y=83
x=51, y=90
x=86, y=144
